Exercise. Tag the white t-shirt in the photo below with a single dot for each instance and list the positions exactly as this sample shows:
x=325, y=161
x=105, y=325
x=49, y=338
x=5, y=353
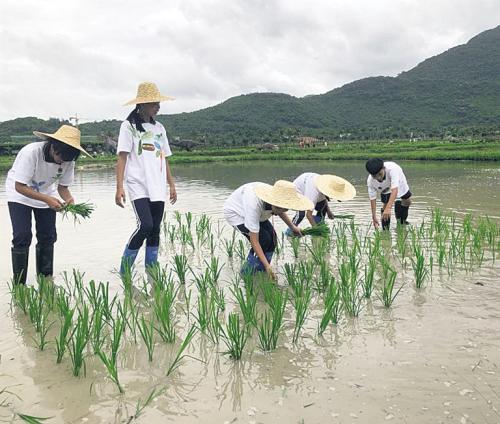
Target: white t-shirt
x=145, y=172
x=394, y=177
x=305, y=185
x=30, y=168
x=244, y=207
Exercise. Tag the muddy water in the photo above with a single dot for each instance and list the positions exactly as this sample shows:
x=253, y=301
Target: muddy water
x=433, y=357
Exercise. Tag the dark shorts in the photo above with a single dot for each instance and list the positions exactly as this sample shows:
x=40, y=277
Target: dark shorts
x=384, y=197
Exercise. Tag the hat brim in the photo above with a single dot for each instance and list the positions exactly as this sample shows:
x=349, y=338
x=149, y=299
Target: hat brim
x=142, y=100
x=268, y=194
x=323, y=184
x=45, y=136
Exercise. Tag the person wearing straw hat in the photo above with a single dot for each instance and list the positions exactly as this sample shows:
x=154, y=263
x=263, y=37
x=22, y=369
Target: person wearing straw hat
x=249, y=208
x=388, y=179
x=319, y=189
x=41, y=171
x=142, y=164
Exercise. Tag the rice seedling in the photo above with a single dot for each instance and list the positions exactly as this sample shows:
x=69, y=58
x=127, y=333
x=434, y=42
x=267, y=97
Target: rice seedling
x=419, y=269
x=218, y=297
x=351, y=298
x=180, y=266
x=172, y=233
x=368, y=280
x=214, y=269
x=141, y=405
x=41, y=341
x=318, y=250
x=185, y=236
x=78, y=341
x=318, y=230
x=295, y=243
x=270, y=324
x=127, y=277
x=247, y=301
x=324, y=277
x=203, y=229
x=402, y=236
x=97, y=333
x=241, y=250
x=110, y=362
x=203, y=309
x=62, y=340
x=214, y=326
x=290, y=273
x=163, y=301
x=20, y=295
x=305, y=271
x=332, y=306
x=178, y=218
x=387, y=294
x=211, y=244
x=31, y=419
x=229, y=245
x=301, y=304
x=235, y=336
x=77, y=211
x=146, y=328
x=176, y=363
x=189, y=219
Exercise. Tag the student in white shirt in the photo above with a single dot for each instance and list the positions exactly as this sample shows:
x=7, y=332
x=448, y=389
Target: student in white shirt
x=320, y=189
x=249, y=208
x=388, y=179
x=39, y=178
x=143, y=165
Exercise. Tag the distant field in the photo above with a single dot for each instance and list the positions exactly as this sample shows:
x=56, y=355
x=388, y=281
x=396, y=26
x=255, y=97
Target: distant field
x=344, y=150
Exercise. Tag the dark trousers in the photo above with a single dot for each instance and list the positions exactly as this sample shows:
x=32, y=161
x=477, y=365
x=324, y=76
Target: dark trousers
x=267, y=236
x=320, y=209
x=149, y=215
x=45, y=225
x=400, y=211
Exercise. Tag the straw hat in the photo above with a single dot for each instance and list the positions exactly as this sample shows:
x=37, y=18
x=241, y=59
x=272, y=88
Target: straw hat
x=66, y=134
x=335, y=187
x=148, y=92
x=283, y=194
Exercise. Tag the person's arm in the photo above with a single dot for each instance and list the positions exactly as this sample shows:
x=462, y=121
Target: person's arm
x=386, y=214
x=171, y=183
x=257, y=248
x=65, y=194
x=27, y=191
x=310, y=218
x=120, y=172
x=373, y=204
x=291, y=225
x=329, y=212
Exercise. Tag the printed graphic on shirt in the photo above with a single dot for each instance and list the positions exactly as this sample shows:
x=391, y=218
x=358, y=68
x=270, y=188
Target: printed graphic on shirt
x=159, y=143
x=142, y=138
x=37, y=185
x=58, y=176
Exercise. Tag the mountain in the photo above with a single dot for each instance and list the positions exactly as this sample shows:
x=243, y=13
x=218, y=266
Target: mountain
x=459, y=88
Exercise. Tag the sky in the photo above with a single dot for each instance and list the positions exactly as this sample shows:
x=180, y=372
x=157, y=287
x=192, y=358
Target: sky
x=61, y=57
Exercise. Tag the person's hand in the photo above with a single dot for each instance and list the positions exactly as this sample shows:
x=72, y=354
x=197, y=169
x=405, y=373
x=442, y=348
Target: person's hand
x=296, y=230
x=386, y=214
x=54, y=203
x=69, y=201
x=330, y=214
x=120, y=197
x=376, y=224
x=173, y=194
x=271, y=273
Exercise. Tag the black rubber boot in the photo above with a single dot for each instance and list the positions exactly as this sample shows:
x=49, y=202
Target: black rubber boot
x=45, y=260
x=386, y=224
x=20, y=257
x=404, y=214
x=398, y=212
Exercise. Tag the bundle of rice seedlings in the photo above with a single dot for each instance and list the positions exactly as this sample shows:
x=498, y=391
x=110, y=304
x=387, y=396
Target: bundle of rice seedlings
x=78, y=210
x=319, y=230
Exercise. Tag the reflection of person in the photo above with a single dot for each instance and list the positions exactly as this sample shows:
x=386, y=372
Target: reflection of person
x=40, y=172
x=142, y=162
x=249, y=208
x=388, y=179
x=319, y=189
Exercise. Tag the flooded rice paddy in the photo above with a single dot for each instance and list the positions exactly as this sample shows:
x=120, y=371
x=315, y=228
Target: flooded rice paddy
x=429, y=355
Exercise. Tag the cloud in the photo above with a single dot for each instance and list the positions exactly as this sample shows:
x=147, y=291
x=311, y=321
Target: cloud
x=62, y=57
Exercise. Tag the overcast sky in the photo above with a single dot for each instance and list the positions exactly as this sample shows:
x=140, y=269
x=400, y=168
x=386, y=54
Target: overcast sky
x=58, y=57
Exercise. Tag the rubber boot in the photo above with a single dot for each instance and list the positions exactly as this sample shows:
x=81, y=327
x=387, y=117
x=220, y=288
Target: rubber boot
x=386, y=224
x=20, y=257
x=404, y=214
x=151, y=255
x=398, y=212
x=128, y=259
x=45, y=260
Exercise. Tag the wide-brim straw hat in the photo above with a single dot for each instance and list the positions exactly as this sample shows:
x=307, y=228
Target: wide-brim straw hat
x=67, y=134
x=334, y=187
x=148, y=92
x=283, y=194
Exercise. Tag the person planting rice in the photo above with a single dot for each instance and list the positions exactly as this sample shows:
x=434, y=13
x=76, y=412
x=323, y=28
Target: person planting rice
x=142, y=163
x=319, y=189
x=249, y=208
x=388, y=179
x=40, y=172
